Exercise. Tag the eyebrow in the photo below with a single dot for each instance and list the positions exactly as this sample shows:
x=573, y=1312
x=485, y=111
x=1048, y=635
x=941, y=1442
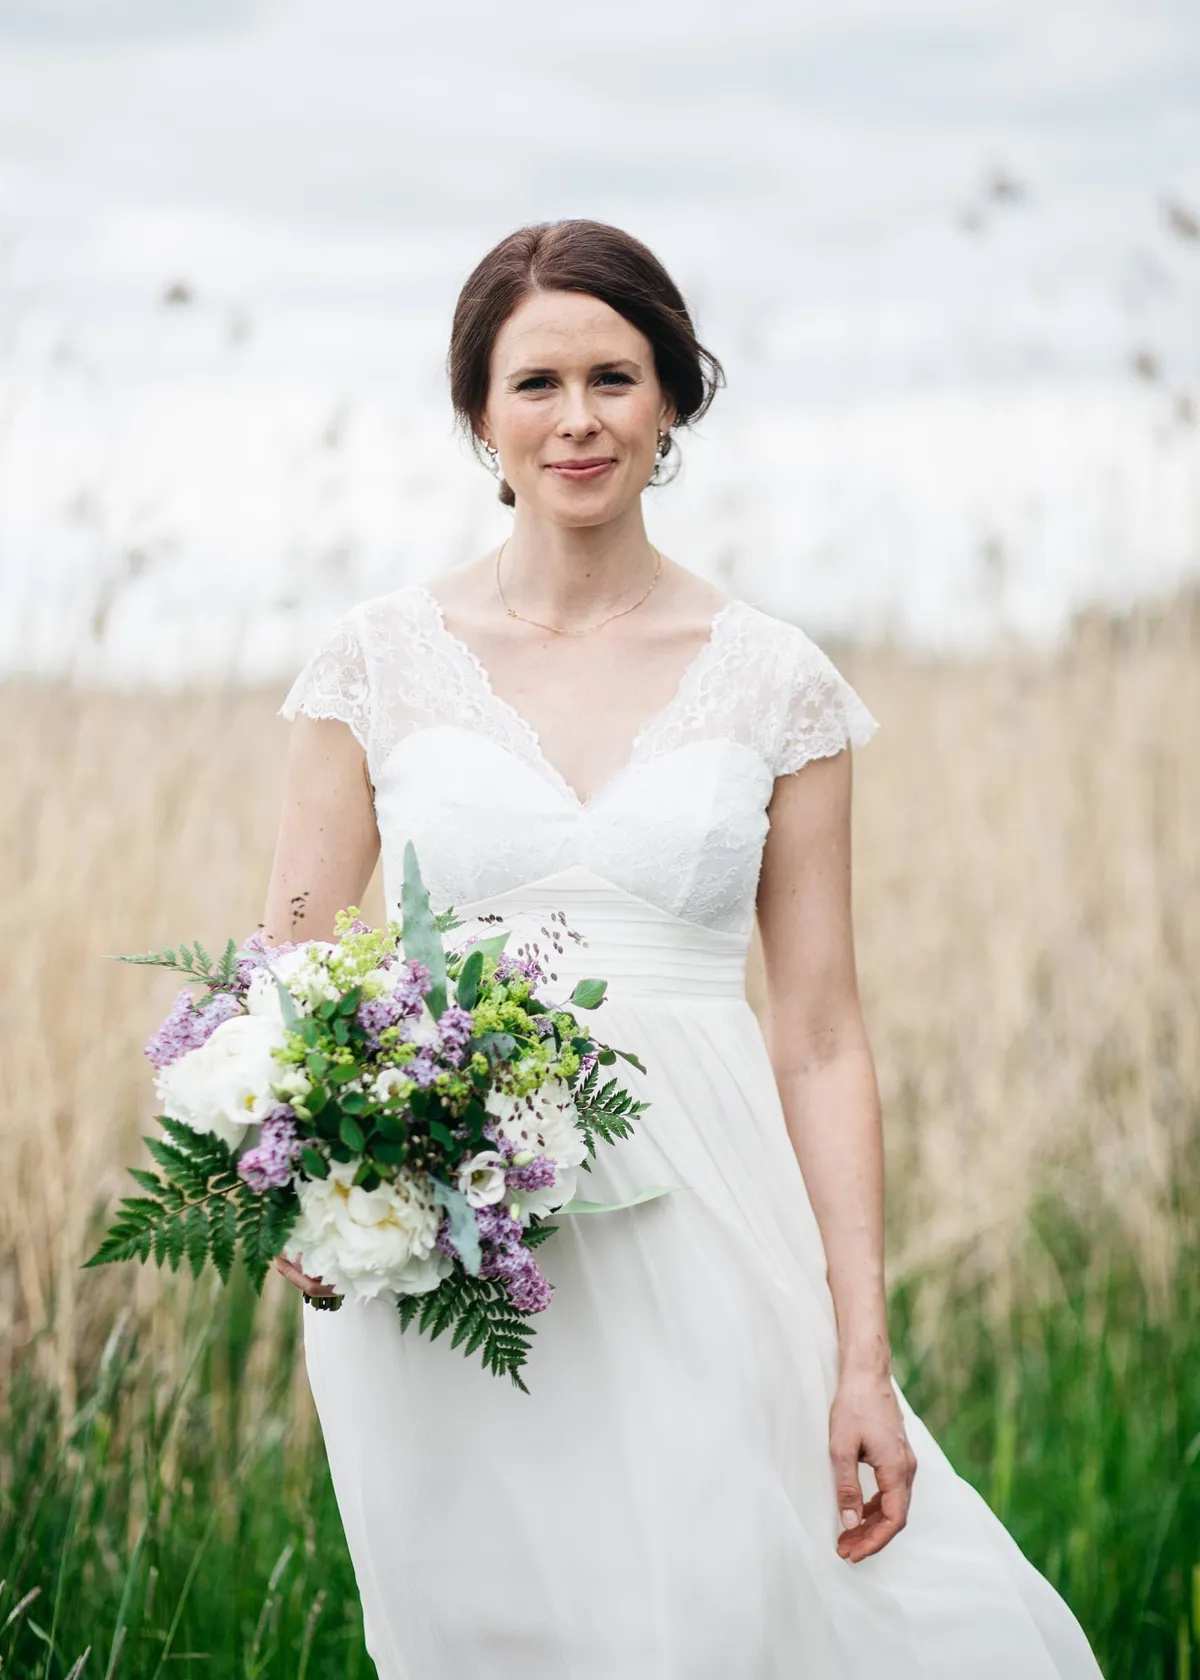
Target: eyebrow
x=598, y=367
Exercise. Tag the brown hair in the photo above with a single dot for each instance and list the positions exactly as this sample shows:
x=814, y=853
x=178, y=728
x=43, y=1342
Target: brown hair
x=577, y=256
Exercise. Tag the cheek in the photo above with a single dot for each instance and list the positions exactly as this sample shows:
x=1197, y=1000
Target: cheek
x=524, y=428
x=636, y=416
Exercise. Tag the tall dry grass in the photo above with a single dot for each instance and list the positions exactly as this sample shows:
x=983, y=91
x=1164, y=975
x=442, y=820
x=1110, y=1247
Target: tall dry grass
x=1027, y=906
x=1027, y=897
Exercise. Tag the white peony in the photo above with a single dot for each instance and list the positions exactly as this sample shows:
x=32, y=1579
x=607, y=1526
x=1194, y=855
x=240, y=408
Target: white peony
x=543, y=1122
x=368, y=1243
x=481, y=1179
x=226, y=1083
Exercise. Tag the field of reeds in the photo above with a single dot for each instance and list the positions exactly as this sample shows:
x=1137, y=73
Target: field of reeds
x=1027, y=899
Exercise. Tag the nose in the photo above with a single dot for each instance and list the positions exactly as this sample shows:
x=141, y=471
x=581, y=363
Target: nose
x=577, y=418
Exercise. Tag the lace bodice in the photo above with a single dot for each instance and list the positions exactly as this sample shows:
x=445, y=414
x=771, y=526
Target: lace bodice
x=457, y=770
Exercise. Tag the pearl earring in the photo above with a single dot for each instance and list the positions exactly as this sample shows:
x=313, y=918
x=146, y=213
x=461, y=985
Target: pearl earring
x=664, y=444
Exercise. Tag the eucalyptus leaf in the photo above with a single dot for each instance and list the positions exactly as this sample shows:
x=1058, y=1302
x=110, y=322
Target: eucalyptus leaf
x=287, y=1006
x=421, y=939
x=498, y=1046
x=588, y=994
x=467, y=986
x=464, y=1233
x=493, y=945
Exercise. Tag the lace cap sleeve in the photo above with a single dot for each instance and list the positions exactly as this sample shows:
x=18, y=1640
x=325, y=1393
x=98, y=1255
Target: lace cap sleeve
x=335, y=682
x=821, y=712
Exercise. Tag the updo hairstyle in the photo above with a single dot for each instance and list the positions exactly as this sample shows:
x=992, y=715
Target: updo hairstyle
x=578, y=256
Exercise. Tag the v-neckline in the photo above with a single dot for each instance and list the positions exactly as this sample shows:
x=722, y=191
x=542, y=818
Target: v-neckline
x=530, y=734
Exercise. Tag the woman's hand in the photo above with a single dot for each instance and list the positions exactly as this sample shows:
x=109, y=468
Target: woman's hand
x=308, y=1285
x=865, y=1423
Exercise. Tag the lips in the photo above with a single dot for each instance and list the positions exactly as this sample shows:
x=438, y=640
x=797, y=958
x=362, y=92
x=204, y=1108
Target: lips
x=578, y=472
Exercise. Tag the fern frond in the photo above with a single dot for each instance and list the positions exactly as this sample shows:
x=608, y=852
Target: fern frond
x=482, y=1317
x=606, y=1112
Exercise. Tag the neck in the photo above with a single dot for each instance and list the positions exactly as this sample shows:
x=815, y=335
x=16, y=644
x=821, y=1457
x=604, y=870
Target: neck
x=568, y=574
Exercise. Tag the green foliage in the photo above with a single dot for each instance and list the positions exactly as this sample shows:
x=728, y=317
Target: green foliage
x=606, y=1112
x=482, y=1319
x=467, y=985
x=171, y=1522
x=193, y=961
x=180, y=1521
x=589, y=994
x=198, y=1210
x=422, y=940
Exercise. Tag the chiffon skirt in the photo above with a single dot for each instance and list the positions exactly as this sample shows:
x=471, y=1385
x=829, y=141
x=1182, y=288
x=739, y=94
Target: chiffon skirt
x=661, y=1504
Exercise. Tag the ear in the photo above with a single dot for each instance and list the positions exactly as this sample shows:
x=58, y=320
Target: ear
x=667, y=414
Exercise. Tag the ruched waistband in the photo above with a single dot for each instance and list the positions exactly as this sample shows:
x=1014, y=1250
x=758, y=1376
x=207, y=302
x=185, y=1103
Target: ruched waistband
x=640, y=950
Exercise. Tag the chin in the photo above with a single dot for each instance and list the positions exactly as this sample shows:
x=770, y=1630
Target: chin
x=585, y=505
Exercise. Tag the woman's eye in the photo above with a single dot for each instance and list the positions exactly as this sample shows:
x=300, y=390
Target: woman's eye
x=532, y=383
x=621, y=378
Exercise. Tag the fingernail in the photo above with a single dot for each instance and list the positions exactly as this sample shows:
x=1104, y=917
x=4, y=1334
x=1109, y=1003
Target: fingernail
x=849, y=1519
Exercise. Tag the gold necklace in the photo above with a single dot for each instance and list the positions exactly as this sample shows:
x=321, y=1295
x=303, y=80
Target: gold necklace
x=588, y=629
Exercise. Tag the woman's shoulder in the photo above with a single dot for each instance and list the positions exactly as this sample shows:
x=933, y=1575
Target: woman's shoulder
x=807, y=707
x=388, y=607
x=782, y=643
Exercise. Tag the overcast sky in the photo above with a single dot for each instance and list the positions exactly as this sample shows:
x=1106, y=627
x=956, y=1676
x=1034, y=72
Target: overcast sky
x=930, y=240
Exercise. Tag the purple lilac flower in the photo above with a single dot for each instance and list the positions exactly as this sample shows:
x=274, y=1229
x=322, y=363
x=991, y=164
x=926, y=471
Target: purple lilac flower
x=454, y=1028
x=376, y=1014
x=423, y=1068
x=528, y=967
x=526, y=1285
x=187, y=1028
x=404, y=1002
x=538, y=1174
x=269, y=1164
x=255, y=954
x=497, y=1225
x=505, y=1257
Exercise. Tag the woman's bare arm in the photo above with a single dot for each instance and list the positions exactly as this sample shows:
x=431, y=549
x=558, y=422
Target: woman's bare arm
x=325, y=852
x=827, y=1085
x=328, y=840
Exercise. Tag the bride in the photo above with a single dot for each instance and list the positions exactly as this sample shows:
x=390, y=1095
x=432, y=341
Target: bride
x=714, y=1475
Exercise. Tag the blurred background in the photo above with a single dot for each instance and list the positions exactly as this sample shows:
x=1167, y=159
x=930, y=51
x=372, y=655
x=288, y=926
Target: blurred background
x=950, y=257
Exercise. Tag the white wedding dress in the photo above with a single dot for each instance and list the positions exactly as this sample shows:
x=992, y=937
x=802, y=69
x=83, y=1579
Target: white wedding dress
x=661, y=1505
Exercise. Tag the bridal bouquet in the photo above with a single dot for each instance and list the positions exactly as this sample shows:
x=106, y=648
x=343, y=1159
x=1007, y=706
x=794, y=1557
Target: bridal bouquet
x=397, y=1117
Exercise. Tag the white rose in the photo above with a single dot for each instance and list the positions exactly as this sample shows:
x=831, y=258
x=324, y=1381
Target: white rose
x=543, y=1122
x=368, y=1243
x=226, y=1083
x=481, y=1179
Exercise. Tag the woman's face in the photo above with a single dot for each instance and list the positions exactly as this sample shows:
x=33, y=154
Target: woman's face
x=574, y=407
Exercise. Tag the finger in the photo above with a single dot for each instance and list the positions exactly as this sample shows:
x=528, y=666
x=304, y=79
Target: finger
x=850, y=1539
x=883, y=1523
x=844, y=1451
x=301, y=1280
